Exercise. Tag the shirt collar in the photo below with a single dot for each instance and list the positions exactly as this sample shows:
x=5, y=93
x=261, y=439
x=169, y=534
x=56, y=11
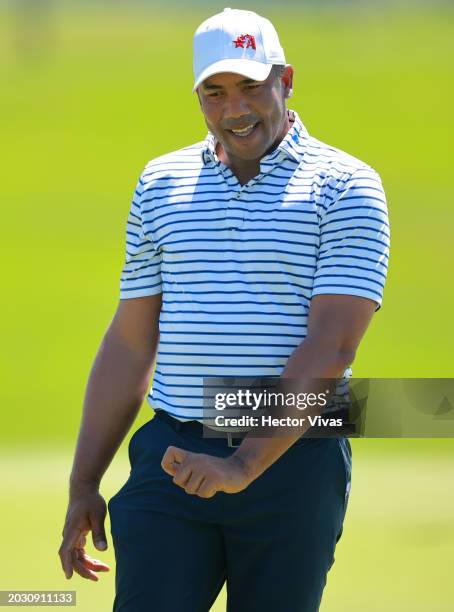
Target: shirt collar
x=292, y=145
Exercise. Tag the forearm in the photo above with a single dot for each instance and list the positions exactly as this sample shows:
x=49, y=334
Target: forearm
x=312, y=367
x=116, y=388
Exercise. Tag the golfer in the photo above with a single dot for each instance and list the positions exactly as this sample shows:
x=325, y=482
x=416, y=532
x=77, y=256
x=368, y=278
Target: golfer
x=258, y=251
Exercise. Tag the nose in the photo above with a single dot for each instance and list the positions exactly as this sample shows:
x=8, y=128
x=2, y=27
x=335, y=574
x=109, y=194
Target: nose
x=236, y=107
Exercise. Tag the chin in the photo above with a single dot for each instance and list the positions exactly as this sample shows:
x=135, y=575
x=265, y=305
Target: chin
x=247, y=154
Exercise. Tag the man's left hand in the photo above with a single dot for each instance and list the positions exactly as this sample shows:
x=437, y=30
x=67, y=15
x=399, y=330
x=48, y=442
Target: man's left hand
x=205, y=475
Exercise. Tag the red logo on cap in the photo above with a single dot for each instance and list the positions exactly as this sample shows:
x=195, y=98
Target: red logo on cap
x=245, y=41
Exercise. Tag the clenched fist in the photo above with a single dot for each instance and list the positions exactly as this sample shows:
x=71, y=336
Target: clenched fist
x=205, y=475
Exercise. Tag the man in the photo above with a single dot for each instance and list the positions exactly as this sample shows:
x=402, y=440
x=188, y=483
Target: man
x=258, y=251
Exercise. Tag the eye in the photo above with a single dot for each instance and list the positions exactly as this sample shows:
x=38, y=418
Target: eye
x=252, y=86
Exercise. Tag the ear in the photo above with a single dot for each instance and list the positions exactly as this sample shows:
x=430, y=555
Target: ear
x=287, y=80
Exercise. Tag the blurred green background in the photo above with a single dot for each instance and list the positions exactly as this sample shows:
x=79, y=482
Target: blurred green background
x=91, y=93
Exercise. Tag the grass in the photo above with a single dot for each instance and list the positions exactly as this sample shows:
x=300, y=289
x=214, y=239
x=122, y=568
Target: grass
x=393, y=555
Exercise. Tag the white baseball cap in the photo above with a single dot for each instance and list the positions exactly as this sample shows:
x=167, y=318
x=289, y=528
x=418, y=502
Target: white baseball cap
x=236, y=41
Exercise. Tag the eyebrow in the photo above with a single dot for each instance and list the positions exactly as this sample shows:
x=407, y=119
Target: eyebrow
x=214, y=86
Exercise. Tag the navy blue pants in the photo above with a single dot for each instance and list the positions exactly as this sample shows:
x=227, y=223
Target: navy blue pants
x=273, y=542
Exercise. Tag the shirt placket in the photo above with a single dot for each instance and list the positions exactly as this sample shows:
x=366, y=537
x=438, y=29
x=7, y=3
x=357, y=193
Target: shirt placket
x=236, y=209
x=235, y=205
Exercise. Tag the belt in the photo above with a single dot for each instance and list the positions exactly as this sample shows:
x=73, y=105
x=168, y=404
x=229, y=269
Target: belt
x=196, y=428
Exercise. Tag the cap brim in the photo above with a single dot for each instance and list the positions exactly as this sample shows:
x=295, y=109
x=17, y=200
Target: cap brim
x=248, y=68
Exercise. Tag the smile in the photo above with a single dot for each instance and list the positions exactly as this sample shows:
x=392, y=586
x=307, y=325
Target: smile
x=244, y=131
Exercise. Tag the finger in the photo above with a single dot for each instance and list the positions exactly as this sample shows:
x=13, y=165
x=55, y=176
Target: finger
x=69, y=542
x=81, y=564
x=98, y=532
x=79, y=567
x=172, y=456
x=93, y=564
x=194, y=483
x=206, y=489
x=183, y=474
x=82, y=540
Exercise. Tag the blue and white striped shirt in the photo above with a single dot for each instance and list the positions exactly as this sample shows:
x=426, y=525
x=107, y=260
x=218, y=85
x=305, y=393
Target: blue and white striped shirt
x=238, y=265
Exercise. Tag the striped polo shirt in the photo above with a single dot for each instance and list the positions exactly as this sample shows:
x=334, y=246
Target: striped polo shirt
x=237, y=265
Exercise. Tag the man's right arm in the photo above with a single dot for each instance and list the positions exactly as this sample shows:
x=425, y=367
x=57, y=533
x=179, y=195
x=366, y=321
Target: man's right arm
x=116, y=388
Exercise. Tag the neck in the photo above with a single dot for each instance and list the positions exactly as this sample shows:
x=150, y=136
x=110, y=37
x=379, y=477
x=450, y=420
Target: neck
x=245, y=169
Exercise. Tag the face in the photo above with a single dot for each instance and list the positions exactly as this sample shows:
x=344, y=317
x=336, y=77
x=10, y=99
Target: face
x=231, y=102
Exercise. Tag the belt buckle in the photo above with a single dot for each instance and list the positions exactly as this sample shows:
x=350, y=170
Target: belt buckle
x=230, y=443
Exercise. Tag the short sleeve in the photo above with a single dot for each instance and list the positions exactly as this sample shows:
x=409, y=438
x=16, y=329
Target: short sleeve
x=354, y=239
x=141, y=274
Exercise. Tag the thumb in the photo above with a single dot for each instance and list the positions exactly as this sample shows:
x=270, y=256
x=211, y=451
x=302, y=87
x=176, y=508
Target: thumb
x=172, y=457
x=99, y=534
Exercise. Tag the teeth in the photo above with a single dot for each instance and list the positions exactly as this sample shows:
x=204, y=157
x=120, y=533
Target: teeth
x=245, y=131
